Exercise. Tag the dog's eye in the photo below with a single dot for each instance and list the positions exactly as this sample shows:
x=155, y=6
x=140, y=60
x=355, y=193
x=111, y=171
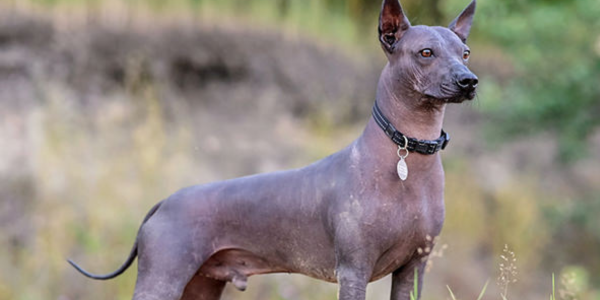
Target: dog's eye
x=426, y=52
x=466, y=54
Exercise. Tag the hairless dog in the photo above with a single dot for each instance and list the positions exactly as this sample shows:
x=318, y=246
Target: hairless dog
x=350, y=218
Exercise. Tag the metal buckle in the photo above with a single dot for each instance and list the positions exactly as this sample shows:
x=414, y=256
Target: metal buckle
x=446, y=139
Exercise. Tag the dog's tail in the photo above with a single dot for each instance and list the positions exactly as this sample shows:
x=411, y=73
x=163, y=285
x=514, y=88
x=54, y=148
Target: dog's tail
x=129, y=260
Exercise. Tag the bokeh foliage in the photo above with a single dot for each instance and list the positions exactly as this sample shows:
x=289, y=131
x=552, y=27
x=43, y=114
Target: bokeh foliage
x=554, y=48
x=539, y=62
x=551, y=48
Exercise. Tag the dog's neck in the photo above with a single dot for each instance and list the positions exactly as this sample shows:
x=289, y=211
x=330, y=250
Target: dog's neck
x=412, y=116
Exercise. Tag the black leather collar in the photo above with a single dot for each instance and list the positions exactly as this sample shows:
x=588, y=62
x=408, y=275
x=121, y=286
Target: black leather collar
x=414, y=145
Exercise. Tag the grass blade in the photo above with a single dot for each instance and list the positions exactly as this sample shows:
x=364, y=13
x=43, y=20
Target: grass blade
x=483, y=290
x=416, y=283
x=553, y=288
x=451, y=293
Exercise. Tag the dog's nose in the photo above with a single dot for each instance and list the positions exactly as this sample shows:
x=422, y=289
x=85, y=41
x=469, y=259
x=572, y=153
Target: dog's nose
x=467, y=81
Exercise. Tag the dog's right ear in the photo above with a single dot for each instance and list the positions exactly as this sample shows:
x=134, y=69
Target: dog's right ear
x=392, y=24
x=462, y=24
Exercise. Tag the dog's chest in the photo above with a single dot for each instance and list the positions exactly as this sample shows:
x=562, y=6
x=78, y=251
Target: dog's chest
x=408, y=229
x=413, y=209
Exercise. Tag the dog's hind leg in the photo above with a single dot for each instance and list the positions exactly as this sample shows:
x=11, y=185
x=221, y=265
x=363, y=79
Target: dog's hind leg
x=167, y=260
x=203, y=288
x=163, y=273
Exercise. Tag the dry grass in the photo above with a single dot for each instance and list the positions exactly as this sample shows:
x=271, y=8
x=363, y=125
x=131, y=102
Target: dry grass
x=508, y=271
x=79, y=169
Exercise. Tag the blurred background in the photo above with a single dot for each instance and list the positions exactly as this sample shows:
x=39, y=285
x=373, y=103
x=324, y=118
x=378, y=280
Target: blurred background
x=107, y=107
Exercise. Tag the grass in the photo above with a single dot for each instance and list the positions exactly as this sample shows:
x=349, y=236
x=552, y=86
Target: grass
x=415, y=292
x=127, y=155
x=553, y=296
x=480, y=294
x=502, y=296
x=507, y=276
x=82, y=178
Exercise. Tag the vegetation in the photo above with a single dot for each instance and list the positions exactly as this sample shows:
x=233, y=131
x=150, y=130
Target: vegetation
x=84, y=155
x=555, y=47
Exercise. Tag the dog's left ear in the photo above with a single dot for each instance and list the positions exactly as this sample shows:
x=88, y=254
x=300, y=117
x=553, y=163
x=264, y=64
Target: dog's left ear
x=392, y=24
x=462, y=24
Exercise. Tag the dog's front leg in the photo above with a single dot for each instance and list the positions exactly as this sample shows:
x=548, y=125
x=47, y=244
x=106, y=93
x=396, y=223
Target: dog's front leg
x=403, y=280
x=355, y=250
x=354, y=268
x=353, y=280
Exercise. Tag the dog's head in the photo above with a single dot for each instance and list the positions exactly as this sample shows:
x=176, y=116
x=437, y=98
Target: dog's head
x=431, y=62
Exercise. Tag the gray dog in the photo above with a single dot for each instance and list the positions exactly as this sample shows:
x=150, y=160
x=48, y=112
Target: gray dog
x=351, y=218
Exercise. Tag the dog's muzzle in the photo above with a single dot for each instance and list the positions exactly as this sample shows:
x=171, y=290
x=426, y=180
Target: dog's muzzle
x=467, y=81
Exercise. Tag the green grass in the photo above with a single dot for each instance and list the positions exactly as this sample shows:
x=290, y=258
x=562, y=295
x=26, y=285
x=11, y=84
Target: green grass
x=415, y=292
x=553, y=296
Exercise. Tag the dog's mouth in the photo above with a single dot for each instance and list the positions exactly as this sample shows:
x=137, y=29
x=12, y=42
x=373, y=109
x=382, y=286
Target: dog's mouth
x=463, y=96
x=451, y=95
x=452, y=99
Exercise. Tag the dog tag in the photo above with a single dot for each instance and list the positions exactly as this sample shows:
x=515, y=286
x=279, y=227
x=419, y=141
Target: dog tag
x=402, y=169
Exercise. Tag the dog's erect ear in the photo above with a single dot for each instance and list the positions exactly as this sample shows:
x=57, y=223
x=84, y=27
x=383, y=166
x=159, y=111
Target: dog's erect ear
x=462, y=24
x=392, y=24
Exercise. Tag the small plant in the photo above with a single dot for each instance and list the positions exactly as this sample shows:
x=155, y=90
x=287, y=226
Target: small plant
x=480, y=294
x=569, y=289
x=508, y=271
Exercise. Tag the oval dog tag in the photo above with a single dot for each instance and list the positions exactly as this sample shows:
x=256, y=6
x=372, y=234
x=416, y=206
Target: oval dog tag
x=402, y=169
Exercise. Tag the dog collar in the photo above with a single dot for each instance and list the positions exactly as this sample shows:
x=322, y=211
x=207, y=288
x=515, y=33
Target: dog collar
x=427, y=147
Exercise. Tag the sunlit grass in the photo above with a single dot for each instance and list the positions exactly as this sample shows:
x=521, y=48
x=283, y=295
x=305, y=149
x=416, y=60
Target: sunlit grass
x=97, y=171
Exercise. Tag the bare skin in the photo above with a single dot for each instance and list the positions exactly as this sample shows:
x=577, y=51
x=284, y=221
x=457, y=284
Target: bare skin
x=347, y=218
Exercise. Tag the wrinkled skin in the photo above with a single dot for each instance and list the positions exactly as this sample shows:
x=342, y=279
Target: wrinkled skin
x=431, y=78
x=347, y=218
